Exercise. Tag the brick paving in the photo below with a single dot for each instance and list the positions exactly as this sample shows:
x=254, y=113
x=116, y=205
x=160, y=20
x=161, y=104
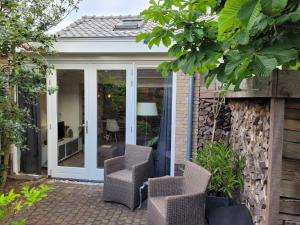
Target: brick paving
x=80, y=204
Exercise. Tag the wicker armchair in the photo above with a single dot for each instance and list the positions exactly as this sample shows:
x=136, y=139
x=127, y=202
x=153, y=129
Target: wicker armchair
x=179, y=200
x=124, y=175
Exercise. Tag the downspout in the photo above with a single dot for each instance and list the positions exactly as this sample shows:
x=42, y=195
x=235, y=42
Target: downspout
x=189, y=137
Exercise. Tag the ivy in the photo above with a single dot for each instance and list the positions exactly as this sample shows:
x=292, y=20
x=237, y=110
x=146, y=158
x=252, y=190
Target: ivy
x=238, y=40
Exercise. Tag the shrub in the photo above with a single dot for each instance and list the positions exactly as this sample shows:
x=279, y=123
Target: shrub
x=225, y=165
x=13, y=202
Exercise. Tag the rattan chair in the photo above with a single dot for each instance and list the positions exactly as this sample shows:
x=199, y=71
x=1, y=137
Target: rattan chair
x=179, y=200
x=124, y=175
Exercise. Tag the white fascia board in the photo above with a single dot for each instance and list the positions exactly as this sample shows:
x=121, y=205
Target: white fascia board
x=104, y=45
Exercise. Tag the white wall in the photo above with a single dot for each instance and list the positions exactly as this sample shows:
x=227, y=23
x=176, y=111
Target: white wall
x=70, y=102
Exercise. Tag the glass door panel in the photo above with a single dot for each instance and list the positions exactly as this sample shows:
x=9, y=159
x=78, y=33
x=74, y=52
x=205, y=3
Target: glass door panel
x=70, y=118
x=150, y=90
x=154, y=107
x=111, y=113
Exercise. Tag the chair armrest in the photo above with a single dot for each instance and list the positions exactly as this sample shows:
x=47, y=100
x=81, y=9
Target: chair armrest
x=165, y=186
x=140, y=173
x=114, y=164
x=192, y=205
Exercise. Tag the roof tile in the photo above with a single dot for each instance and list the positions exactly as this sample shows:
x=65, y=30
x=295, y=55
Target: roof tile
x=101, y=26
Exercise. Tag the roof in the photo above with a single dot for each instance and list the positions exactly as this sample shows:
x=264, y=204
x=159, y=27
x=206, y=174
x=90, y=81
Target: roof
x=102, y=27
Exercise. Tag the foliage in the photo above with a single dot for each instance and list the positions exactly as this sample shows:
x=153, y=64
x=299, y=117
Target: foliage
x=239, y=40
x=24, y=43
x=225, y=165
x=13, y=202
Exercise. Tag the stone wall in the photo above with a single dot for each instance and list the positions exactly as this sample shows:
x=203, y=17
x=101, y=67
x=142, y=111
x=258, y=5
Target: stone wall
x=244, y=124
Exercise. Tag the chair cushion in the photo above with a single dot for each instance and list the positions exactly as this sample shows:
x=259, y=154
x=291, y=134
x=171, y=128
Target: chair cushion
x=160, y=204
x=123, y=175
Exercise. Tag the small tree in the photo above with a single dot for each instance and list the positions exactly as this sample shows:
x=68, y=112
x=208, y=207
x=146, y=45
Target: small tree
x=24, y=43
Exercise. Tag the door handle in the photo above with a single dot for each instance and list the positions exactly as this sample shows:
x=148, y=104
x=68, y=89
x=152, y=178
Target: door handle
x=85, y=125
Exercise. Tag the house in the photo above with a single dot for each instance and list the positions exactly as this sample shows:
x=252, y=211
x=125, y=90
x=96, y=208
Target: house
x=109, y=94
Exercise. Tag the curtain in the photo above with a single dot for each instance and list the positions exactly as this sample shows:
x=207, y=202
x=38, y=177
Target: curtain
x=163, y=152
x=31, y=157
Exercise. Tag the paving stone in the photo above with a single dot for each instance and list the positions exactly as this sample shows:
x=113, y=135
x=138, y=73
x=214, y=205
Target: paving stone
x=79, y=204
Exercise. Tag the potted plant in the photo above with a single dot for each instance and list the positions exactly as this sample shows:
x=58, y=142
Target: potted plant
x=226, y=166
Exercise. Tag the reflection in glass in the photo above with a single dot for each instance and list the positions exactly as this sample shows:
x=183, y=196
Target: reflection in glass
x=70, y=118
x=154, y=112
x=111, y=114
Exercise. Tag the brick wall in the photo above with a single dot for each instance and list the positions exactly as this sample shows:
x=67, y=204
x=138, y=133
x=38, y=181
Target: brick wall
x=181, y=115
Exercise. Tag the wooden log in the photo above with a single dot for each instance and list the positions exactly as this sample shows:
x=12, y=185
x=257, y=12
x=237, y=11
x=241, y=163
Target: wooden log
x=291, y=136
x=291, y=150
x=290, y=189
x=290, y=206
x=292, y=124
x=275, y=160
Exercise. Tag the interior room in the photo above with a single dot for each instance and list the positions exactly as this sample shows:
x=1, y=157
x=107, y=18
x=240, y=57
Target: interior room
x=70, y=98
x=111, y=102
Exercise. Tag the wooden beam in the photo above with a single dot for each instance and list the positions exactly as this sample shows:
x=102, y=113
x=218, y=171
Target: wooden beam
x=292, y=136
x=290, y=189
x=290, y=170
x=292, y=104
x=290, y=206
x=288, y=84
x=292, y=114
x=289, y=219
x=275, y=160
x=292, y=124
x=291, y=150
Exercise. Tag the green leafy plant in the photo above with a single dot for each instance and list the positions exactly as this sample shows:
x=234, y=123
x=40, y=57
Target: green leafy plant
x=12, y=202
x=237, y=40
x=225, y=165
x=24, y=45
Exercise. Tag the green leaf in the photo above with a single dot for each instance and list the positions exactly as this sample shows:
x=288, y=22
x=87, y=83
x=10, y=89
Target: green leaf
x=273, y=7
x=199, y=33
x=282, y=55
x=141, y=37
x=166, y=41
x=187, y=67
x=189, y=36
x=264, y=66
x=248, y=13
x=154, y=41
x=228, y=15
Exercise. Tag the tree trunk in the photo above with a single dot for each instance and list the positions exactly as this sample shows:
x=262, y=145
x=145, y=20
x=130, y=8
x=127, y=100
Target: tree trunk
x=7, y=151
x=214, y=129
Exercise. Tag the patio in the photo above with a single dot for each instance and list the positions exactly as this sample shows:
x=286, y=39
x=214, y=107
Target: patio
x=79, y=204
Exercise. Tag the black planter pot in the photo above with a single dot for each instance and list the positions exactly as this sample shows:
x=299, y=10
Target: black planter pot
x=213, y=202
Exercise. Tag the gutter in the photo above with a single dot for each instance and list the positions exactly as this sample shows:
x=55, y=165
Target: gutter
x=188, y=153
